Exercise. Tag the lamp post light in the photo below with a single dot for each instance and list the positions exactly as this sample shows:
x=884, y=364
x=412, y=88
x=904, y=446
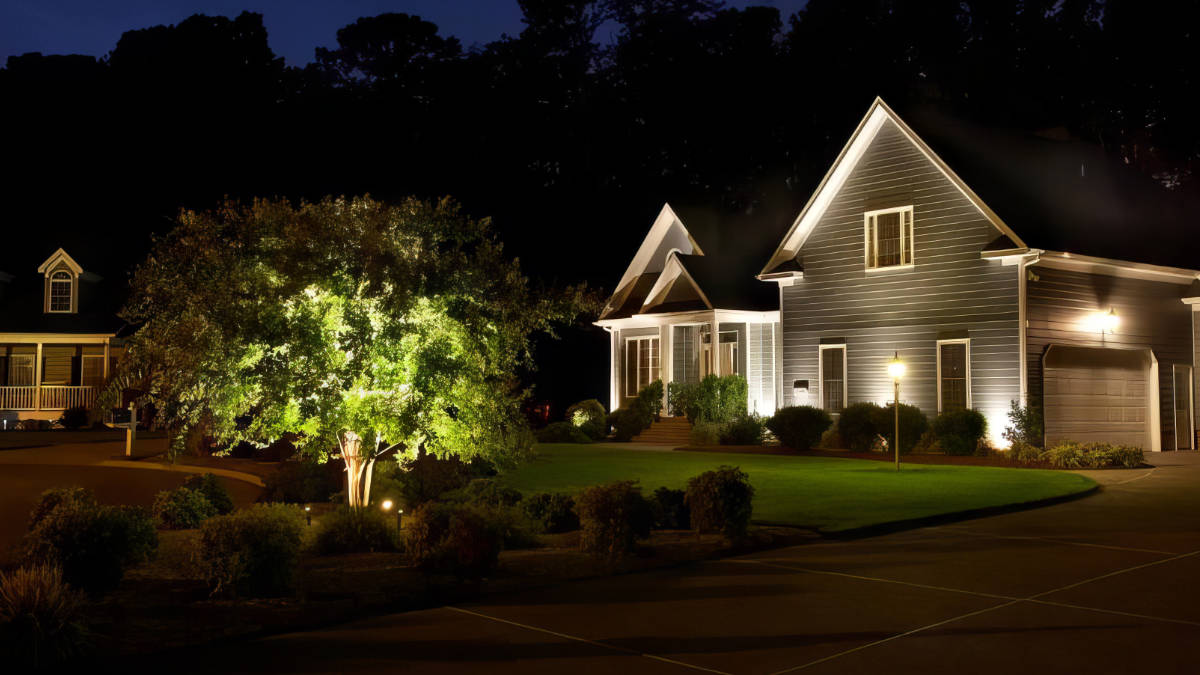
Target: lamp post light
x=387, y=506
x=896, y=369
x=308, y=514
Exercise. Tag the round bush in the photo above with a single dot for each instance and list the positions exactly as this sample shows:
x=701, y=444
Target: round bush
x=720, y=501
x=253, y=552
x=590, y=417
x=913, y=425
x=182, y=509
x=799, y=427
x=705, y=433
x=54, y=497
x=743, y=430
x=856, y=425
x=348, y=530
x=959, y=431
x=74, y=418
x=453, y=538
x=551, y=512
x=612, y=517
x=213, y=490
x=562, y=432
x=93, y=545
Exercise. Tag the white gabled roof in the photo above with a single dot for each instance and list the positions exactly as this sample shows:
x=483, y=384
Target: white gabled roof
x=844, y=165
x=667, y=234
x=53, y=260
x=671, y=275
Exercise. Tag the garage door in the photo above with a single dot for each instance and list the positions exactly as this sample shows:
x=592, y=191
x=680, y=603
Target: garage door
x=1096, y=394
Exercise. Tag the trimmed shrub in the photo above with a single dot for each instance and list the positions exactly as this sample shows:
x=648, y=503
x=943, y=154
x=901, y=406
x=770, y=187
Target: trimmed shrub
x=302, y=482
x=562, y=432
x=626, y=423
x=1025, y=452
x=1025, y=424
x=551, y=512
x=41, y=622
x=1071, y=455
x=54, y=497
x=348, y=530
x=213, y=490
x=743, y=430
x=649, y=400
x=93, y=545
x=182, y=509
x=589, y=417
x=485, y=491
x=253, y=552
x=799, y=427
x=453, y=538
x=913, y=425
x=713, y=399
x=612, y=517
x=681, y=397
x=928, y=444
x=856, y=425
x=720, y=501
x=831, y=439
x=74, y=418
x=670, y=509
x=959, y=431
x=705, y=433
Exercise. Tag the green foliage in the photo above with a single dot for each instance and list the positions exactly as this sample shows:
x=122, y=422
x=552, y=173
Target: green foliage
x=670, y=509
x=720, y=501
x=649, y=400
x=551, y=512
x=913, y=425
x=928, y=444
x=719, y=399
x=456, y=539
x=253, y=552
x=799, y=427
x=959, y=431
x=93, y=544
x=562, y=432
x=182, y=509
x=743, y=429
x=590, y=417
x=831, y=439
x=41, y=618
x=54, y=497
x=405, y=323
x=1025, y=452
x=302, y=481
x=612, y=518
x=348, y=530
x=1025, y=424
x=856, y=425
x=213, y=490
x=1072, y=455
x=705, y=433
x=425, y=477
x=74, y=418
x=484, y=491
x=627, y=423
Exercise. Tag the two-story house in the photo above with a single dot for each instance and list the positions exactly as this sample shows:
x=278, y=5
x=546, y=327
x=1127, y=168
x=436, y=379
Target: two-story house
x=894, y=253
x=59, y=336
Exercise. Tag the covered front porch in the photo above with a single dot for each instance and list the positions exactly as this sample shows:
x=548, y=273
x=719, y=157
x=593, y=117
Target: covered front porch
x=43, y=375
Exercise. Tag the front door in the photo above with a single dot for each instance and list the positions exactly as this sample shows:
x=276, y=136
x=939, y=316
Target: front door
x=1184, y=436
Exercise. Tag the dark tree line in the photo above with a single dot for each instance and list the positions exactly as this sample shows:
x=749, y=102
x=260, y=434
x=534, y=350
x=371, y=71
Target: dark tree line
x=570, y=138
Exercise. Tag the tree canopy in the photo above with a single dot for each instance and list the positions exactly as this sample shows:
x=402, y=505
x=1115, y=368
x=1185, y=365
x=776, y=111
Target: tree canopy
x=341, y=322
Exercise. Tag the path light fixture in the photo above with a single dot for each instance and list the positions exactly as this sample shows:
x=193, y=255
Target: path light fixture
x=896, y=369
x=387, y=507
x=308, y=514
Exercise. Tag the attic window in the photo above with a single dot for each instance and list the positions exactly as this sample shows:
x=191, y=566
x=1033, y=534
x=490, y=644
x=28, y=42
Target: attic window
x=60, y=292
x=888, y=238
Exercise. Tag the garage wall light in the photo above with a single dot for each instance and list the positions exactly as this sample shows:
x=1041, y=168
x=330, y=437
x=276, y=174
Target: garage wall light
x=1103, y=322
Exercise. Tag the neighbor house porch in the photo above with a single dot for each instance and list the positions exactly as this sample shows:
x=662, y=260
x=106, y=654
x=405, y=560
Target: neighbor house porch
x=42, y=375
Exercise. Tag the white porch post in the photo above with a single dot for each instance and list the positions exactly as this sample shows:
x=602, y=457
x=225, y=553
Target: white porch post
x=614, y=366
x=37, y=379
x=106, y=344
x=664, y=362
x=714, y=347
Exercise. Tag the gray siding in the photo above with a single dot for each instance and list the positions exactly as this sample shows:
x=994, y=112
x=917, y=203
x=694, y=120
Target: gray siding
x=950, y=292
x=1151, y=313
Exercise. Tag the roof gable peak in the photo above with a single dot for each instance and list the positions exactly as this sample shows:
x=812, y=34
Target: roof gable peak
x=55, y=258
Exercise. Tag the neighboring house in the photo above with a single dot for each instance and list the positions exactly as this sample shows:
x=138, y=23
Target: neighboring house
x=58, y=338
x=678, y=315
x=895, y=253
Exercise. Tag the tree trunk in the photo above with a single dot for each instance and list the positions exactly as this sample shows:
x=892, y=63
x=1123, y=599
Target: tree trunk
x=358, y=469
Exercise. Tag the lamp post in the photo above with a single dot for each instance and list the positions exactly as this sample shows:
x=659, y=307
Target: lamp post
x=896, y=369
x=308, y=514
x=387, y=506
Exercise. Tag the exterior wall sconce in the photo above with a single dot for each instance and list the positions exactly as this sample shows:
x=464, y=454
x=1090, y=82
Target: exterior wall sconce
x=1103, y=322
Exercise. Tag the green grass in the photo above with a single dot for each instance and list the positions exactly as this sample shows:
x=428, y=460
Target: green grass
x=829, y=494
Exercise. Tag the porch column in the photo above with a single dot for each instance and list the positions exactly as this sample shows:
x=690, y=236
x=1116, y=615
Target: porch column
x=614, y=361
x=37, y=379
x=106, y=341
x=714, y=347
x=664, y=362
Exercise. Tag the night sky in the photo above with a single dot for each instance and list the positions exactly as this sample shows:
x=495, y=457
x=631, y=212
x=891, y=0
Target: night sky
x=296, y=27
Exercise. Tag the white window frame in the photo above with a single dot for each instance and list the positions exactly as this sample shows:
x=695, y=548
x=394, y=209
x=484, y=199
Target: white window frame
x=69, y=280
x=638, y=368
x=821, y=374
x=966, y=364
x=871, y=236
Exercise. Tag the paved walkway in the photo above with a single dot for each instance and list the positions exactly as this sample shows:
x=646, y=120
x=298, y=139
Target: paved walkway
x=1106, y=584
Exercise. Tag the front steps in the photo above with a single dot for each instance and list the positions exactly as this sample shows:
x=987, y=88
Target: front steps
x=668, y=431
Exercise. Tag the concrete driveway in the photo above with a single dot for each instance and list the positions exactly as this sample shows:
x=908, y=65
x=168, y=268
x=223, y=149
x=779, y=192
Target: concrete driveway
x=1107, y=584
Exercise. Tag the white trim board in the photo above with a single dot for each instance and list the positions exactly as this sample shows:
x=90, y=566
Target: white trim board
x=665, y=223
x=53, y=260
x=844, y=165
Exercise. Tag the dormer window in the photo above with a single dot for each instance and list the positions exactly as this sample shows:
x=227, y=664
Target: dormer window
x=888, y=238
x=61, y=284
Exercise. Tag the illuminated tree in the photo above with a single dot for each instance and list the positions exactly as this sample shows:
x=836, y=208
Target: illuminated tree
x=357, y=326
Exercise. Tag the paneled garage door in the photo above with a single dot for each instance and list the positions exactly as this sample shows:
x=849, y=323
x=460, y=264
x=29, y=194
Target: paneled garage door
x=1096, y=394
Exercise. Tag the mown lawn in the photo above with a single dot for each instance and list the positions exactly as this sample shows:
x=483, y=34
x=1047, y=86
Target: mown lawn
x=829, y=494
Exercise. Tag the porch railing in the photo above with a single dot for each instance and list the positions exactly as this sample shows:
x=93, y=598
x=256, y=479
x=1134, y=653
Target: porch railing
x=54, y=397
